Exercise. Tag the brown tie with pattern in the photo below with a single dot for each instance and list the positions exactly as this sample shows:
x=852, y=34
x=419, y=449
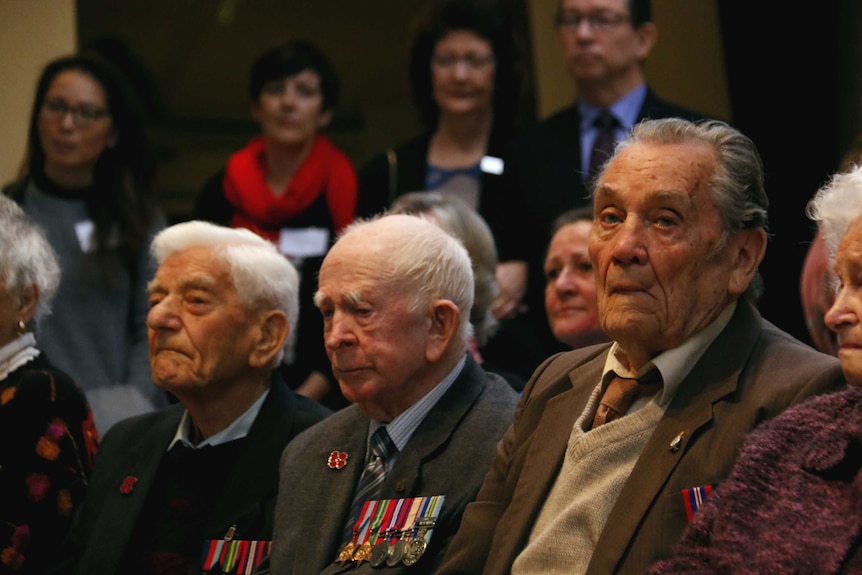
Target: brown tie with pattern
x=620, y=393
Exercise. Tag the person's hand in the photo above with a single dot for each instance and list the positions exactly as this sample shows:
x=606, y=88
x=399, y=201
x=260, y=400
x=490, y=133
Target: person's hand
x=512, y=281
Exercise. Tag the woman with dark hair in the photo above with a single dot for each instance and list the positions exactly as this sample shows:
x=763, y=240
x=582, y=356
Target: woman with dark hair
x=466, y=88
x=292, y=186
x=87, y=181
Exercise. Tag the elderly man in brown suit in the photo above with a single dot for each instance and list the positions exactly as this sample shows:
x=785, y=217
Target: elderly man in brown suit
x=582, y=484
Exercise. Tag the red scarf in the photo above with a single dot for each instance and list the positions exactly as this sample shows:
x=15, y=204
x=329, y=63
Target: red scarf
x=263, y=212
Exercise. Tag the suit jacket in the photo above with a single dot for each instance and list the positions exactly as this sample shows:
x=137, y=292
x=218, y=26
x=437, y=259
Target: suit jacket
x=135, y=447
x=448, y=454
x=542, y=179
x=751, y=372
x=793, y=503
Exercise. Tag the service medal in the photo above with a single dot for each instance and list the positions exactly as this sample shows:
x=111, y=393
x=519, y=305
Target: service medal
x=414, y=551
x=396, y=552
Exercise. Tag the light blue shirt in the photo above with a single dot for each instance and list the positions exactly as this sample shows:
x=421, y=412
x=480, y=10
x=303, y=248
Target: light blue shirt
x=402, y=427
x=236, y=430
x=625, y=110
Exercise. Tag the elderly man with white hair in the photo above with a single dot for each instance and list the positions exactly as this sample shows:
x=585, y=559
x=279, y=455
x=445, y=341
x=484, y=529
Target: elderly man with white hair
x=383, y=483
x=192, y=488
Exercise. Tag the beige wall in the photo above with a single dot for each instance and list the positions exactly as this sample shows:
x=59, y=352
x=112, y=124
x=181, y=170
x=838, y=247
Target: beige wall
x=31, y=33
x=686, y=66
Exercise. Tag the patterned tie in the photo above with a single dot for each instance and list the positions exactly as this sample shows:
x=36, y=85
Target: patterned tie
x=620, y=393
x=606, y=124
x=382, y=450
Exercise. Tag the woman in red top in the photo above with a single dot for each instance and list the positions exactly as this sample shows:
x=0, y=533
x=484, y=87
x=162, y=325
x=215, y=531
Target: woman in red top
x=292, y=186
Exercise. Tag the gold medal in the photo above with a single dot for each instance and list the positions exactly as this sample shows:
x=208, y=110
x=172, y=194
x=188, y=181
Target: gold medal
x=346, y=553
x=362, y=553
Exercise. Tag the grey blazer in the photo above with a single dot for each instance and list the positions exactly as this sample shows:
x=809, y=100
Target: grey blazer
x=751, y=372
x=448, y=454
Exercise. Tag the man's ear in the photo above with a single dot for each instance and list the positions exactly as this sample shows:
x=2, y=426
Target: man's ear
x=647, y=35
x=445, y=324
x=746, y=251
x=274, y=329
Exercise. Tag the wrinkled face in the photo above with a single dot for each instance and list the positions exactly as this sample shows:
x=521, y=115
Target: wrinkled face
x=375, y=343
x=844, y=316
x=598, y=39
x=570, y=291
x=462, y=73
x=290, y=110
x=658, y=277
x=201, y=336
x=74, y=126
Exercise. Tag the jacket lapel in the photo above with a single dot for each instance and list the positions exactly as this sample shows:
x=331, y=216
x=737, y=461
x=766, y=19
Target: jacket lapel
x=714, y=377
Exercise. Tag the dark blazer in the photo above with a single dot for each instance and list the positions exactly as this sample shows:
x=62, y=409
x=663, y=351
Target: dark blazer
x=542, y=179
x=750, y=373
x=379, y=185
x=448, y=454
x=135, y=448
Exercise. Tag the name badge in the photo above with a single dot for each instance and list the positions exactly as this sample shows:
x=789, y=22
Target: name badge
x=491, y=165
x=303, y=242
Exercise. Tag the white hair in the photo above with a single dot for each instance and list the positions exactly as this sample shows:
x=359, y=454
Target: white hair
x=262, y=276
x=836, y=205
x=426, y=262
x=26, y=257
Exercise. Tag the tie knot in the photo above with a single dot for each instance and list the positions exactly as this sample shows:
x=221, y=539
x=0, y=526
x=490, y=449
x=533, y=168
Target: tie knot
x=605, y=120
x=620, y=393
x=382, y=446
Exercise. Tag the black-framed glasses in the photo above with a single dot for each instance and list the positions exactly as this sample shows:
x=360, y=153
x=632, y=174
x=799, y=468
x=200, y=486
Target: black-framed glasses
x=598, y=21
x=473, y=62
x=83, y=116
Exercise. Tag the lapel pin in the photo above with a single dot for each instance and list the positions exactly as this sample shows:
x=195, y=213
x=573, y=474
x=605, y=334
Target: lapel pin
x=128, y=484
x=337, y=460
x=677, y=441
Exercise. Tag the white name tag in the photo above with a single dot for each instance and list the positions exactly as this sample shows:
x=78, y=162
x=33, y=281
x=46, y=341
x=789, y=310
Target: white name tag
x=303, y=242
x=491, y=165
x=86, y=232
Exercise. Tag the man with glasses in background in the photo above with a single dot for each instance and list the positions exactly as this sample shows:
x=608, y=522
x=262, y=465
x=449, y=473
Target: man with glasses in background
x=605, y=45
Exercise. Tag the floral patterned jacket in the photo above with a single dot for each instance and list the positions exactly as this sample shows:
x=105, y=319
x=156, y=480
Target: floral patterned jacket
x=46, y=455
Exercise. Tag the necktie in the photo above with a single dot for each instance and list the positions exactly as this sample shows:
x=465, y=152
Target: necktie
x=620, y=393
x=382, y=449
x=603, y=146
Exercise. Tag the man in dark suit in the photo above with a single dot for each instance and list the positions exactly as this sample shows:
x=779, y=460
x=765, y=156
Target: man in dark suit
x=395, y=293
x=190, y=487
x=605, y=45
x=582, y=484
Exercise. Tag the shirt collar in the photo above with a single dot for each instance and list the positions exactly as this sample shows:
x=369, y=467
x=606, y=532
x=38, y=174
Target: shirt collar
x=625, y=109
x=674, y=364
x=237, y=429
x=402, y=427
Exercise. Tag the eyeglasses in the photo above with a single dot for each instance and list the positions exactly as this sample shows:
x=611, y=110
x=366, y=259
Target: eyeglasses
x=598, y=21
x=474, y=62
x=83, y=116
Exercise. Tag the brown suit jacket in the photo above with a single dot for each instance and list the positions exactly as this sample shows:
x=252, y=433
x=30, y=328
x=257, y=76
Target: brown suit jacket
x=751, y=372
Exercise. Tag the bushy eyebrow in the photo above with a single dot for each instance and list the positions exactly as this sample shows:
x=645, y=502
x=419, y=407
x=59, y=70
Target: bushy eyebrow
x=351, y=297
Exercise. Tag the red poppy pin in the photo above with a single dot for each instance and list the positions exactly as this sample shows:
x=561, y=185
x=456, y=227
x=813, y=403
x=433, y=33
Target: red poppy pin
x=128, y=484
x=337, y=460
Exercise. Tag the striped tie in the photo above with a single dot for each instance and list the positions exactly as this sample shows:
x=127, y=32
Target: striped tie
x=382, y=449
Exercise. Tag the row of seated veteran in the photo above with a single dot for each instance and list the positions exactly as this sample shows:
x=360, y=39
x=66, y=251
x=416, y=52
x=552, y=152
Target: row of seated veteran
x=395, y=478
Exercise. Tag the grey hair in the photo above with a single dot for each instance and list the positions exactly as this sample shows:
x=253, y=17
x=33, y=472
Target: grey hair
x=458, y=218
x=836, y=205
x=425, y=261
x=263, y=278
x=26, y=256
x=737, y=183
